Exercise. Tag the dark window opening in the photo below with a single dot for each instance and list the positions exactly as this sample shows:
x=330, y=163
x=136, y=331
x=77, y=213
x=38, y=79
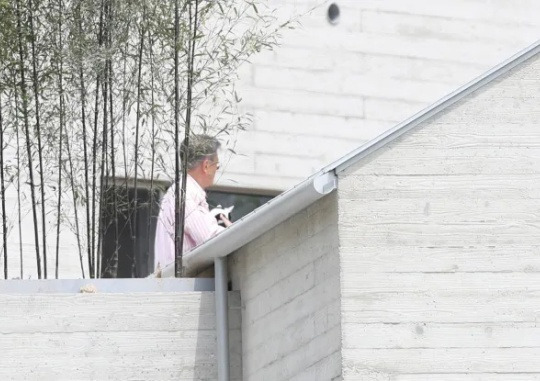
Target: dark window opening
x=135, y=244
x=244, y=203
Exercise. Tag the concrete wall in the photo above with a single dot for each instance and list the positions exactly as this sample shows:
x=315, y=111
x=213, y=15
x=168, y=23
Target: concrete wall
x=127, y=336
x=329, y=88
x=289, y=285
x=439, y=244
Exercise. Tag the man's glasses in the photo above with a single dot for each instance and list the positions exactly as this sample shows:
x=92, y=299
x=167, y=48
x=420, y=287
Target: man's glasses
x=216, y=163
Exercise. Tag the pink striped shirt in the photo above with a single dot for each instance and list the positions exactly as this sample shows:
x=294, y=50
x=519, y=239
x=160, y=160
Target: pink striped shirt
x=199, y=224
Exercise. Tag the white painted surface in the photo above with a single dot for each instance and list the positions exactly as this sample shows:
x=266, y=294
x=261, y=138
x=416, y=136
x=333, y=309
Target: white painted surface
x=289, y=283
x=439, y=244
x=330, y=88
x=166, y=336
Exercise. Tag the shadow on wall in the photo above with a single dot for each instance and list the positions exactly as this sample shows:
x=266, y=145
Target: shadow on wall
x=205, y=365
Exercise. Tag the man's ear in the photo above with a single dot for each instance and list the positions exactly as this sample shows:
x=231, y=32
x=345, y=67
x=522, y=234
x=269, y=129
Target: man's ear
x=205, y=165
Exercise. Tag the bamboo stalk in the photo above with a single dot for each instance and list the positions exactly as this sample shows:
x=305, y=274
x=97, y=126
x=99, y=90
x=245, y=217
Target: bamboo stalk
x=73, y=192
x=62, y=129
x=27, y=133
x=153, y=144
x=104, y=175
x=113, y=164
x=103, y=186
x=92, y=238
x=94, y=171
x=94, y=153
x=124, y=134
x=3, y=190
x=85, y=142
x=177, y=221
x=136, y=147
x=38, y=134
x=19, y=214
x=193, y=19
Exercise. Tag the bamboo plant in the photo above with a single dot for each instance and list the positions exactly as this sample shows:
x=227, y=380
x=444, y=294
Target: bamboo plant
x=95, y=97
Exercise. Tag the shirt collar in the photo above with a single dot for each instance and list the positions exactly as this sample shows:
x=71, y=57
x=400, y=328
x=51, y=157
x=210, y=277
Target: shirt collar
x=194, y=189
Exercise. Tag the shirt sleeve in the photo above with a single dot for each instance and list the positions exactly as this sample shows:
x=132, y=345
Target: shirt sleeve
x=164, y=240
x=200, y=225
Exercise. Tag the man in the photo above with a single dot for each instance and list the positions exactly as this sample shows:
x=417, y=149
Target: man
x=199, y=225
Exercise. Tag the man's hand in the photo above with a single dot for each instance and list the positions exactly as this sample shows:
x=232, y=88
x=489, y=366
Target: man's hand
x=225, y=220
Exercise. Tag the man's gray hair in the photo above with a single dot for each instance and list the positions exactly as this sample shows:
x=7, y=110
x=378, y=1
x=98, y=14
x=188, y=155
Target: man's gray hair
x=200, y=147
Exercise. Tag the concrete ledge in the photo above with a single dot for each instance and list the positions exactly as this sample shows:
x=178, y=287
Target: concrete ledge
x=51, y=286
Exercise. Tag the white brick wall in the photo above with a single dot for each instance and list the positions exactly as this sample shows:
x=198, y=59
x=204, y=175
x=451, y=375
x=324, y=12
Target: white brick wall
x=150, y=336
x=289, y=285
x=384, y=61
x=439, y=244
